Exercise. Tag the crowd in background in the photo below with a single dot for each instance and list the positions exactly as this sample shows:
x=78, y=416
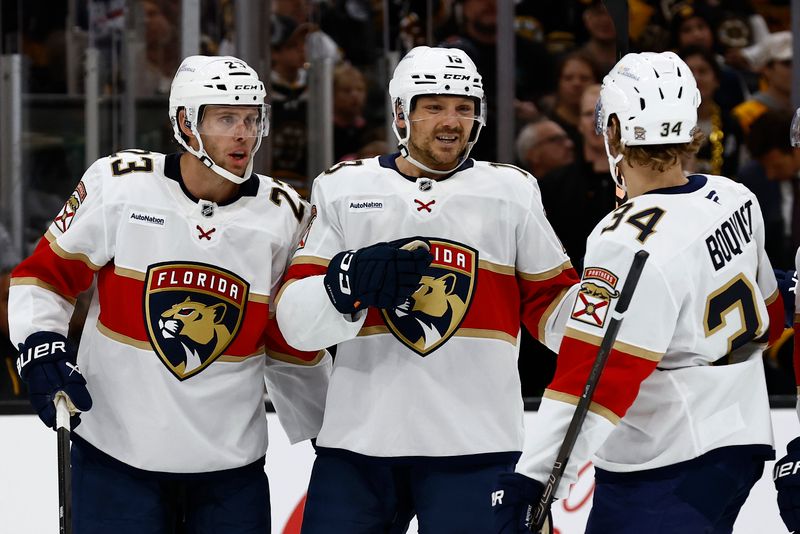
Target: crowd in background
x=740, y=52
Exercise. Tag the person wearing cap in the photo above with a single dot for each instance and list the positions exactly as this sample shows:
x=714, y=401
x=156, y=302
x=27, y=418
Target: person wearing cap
x=420, y=266
x=773, y=59
x=678, y=427
x=187, y=251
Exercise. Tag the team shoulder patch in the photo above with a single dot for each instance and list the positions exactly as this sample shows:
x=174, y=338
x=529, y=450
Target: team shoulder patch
x=598, y=289
x=64, y=218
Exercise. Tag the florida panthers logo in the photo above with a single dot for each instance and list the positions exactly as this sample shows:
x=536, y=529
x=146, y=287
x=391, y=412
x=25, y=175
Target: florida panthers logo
x=193, y=313
x=435, y=311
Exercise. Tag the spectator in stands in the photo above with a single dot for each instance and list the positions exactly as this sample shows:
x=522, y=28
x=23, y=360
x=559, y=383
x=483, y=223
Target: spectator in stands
x=533, y=76
x=542, y=146
x=773, y=177
x=351, y=131
x=602, y=45
x=775, y=63
x=578, y=195
x=692, y=27
x=576, y=71
x=289, y=101
x=162, y=49
x=10, y=385
x=719, y=154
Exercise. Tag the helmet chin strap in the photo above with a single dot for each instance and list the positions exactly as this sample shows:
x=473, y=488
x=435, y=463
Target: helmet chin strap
x=613, y=167
x=203, y=156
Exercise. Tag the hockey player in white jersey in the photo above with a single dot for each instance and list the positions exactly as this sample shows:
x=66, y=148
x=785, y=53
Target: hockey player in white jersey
x=424, y=407
x=187, y=251
x=679, y=426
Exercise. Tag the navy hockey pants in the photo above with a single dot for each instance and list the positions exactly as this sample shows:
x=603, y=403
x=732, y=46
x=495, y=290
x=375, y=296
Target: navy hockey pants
x=347, y=496
x=701, y=496
x=107, y=498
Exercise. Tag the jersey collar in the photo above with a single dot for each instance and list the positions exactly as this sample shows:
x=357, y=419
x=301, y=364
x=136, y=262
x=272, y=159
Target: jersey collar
x=172, y=170
x=388, y=161
x=695, y=183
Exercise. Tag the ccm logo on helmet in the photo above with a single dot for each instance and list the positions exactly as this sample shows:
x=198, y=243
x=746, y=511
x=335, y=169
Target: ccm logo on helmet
x=456, y=77
x=246, y=87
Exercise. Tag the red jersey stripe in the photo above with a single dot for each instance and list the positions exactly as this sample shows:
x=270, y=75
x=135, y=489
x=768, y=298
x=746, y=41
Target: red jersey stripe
x=67, y=277
x=619, y=383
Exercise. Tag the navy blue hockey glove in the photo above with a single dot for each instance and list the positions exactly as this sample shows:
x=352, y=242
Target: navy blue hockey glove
x=382, y=275
x=46, y=363
x=786, y=475
x=513, y=502
x=787, y=280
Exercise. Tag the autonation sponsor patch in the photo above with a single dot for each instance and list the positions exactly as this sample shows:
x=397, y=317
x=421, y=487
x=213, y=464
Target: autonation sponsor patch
x=366, y=205
x=147, y=219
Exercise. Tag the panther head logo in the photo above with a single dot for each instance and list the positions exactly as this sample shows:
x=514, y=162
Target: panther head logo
x=198, y=327
x=436, y=309
x=193, y=313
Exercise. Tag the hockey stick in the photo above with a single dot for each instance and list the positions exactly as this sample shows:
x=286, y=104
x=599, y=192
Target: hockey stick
x=543, y=508
x=64, y=467
x=618, y=9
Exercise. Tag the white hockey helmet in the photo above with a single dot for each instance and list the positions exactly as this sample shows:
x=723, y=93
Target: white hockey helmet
x=435, y=71
x=655, y=99
x=216, y=80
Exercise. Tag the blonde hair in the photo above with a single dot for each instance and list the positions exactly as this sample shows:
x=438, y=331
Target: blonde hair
x=656, y=157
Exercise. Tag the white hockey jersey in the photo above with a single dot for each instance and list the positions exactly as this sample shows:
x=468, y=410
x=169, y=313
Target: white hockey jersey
x=439, y=378
x=173, y=350
x=685, y=375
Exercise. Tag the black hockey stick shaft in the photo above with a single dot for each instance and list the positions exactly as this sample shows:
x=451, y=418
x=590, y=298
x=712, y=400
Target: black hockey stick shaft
x=574, y=429
x=618, y=9
x=64, y=466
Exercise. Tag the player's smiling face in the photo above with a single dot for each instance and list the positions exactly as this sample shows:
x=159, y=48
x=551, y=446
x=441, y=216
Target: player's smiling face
x=440, y=128
x=229, y=135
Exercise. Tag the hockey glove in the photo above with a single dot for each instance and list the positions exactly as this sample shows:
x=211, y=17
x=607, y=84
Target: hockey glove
x=787, y=280
x=383, y=275
x=513, y=502
x=787, y=481
x=46, y=363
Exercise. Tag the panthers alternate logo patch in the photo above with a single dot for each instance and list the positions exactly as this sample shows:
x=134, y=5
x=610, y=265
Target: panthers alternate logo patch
x=193, y=313
x=64, y=218
x=598, y=288
x=435, y=311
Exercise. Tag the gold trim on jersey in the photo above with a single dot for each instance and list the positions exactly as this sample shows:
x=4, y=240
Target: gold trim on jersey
x=373, y=330
x=797, y=318
x=236, y=359
x=546, y=275
x=594, y=407
x=129, y=273
x=627, y=348
x=555, y=303
x=772, y=298
x=483, y=333
x=496, y=267
x=33, y=281
x=61, y=253
x=254, y=297
x=312, y=260
x=125, y=340
x=288, y=358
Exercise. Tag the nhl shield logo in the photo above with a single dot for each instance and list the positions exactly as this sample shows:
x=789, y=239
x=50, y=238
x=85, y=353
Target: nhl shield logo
x=435, y=311
x=193, y=312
